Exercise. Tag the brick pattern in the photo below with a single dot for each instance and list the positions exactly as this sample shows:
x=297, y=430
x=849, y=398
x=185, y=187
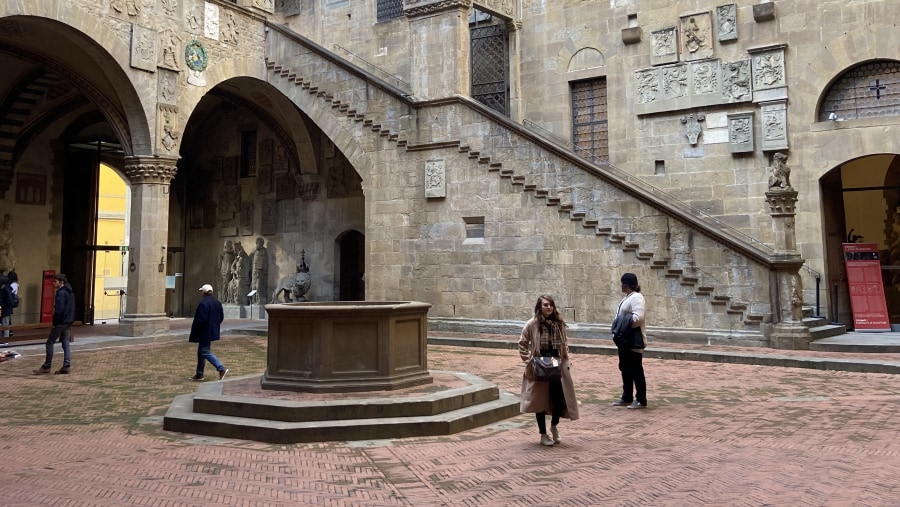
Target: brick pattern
x=718, y=434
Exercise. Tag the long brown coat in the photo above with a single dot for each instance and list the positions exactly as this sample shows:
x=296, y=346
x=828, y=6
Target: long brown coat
x=535, y=397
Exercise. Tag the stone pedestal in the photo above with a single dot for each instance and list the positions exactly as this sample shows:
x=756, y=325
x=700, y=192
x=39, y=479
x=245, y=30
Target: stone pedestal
x=145, y=296
x=789, y=332
x=341, y=347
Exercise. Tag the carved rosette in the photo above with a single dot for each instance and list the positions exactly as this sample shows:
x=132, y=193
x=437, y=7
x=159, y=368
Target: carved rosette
x=416, y=8
x=159, y=170
x=782, y=202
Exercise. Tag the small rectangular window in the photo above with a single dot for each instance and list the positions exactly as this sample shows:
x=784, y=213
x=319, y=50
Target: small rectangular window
x=660, y=167
x=389, y=9
x=474, y=227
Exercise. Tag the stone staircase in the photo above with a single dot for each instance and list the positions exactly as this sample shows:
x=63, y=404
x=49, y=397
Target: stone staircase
x=386, y=112
x=819, y=327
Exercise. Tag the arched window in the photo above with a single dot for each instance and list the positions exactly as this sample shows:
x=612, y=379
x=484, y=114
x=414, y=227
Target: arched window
x=867, y=90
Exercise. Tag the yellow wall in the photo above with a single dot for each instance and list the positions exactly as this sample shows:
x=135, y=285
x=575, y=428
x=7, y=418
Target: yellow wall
x=112, y=209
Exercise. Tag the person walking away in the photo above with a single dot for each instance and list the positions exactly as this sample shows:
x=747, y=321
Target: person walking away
x=63, y=317
x=545, y=335
x=205, y=329
x=7, y=303
x=634, y=385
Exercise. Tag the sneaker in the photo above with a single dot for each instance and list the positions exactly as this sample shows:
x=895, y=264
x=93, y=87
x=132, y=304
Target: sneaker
x=546, y=440
x=41, y=371
x=637, y=405
x=555, y=433
x=223, y=373
x=621, y=403
x=62, y=371
x=196, y=378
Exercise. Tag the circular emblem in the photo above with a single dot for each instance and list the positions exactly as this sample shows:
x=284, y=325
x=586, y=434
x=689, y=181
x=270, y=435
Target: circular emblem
x=195, y=56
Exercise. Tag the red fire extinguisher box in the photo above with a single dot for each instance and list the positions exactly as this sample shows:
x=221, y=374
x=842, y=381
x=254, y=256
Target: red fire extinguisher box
x=48, y=294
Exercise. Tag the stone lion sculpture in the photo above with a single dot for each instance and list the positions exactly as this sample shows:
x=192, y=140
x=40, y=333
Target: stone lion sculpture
x=293, y=287
x=781, y=173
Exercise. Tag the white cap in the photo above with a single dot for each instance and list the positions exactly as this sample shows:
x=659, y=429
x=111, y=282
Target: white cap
x=207, y=288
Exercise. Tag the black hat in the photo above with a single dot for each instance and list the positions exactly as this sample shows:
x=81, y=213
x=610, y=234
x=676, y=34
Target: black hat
x=629, y=279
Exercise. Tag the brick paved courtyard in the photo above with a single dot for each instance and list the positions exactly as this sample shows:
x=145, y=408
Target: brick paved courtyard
x=715, y=434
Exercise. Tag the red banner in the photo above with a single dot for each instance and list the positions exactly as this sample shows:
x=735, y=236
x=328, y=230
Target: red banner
x=867, y=301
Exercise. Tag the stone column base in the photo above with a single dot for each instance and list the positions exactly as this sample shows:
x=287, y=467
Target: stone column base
x=144, y=325
x=790, y=336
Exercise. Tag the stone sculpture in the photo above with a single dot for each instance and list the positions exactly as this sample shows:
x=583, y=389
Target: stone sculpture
x=240, y=274
x=226, y=259
x=260, y=275
x=294, y=287
x=780, y=177
x=8, y=259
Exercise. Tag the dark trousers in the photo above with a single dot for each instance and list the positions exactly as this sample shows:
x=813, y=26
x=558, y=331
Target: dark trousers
x=630, y=364
x=558, y=401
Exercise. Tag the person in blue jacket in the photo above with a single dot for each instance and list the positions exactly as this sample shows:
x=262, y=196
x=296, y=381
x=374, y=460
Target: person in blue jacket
x=205, y=330
x=63, y=317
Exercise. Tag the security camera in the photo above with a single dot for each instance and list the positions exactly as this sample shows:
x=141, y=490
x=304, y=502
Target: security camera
x=832, y=116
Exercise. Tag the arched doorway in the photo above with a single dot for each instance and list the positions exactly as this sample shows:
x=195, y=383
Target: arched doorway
x=351, y=266
x=65, y=108
x=861, y=204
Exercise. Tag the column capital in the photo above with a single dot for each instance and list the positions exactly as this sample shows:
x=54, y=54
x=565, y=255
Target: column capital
x=782, y=202
x=419, y=8
x=150, y=169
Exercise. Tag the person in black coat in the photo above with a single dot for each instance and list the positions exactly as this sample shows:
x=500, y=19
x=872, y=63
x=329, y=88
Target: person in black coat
x=205, y=330
x=6, y=304
x=63, y=317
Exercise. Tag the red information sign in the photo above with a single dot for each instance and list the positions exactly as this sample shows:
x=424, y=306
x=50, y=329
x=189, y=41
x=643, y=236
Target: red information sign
x=48, y=295
x=866, y=287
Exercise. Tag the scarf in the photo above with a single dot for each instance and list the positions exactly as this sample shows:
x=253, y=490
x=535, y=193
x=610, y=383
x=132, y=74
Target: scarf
x=551, y=338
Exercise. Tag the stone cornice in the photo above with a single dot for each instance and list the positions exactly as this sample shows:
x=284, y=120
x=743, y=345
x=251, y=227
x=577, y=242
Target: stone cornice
x=149, y=170
x=418, y=8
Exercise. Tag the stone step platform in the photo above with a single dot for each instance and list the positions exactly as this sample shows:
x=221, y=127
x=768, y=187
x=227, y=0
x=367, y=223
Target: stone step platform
x=240, y=408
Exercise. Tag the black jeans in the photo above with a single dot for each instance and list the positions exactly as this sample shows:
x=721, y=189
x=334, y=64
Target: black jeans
x=630, y=364
x=557, y=399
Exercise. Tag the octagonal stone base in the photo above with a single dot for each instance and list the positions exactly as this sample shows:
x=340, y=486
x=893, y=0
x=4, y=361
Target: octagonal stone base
x=346, y=346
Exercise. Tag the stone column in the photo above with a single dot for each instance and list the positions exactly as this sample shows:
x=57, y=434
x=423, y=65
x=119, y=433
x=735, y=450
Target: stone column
x=439, y=46
x=789, y=331
x=149, y=230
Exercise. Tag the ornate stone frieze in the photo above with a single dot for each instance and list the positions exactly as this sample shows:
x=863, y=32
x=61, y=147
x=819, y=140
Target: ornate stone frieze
x=689, y=85
x=416, y=8
x=150, y=169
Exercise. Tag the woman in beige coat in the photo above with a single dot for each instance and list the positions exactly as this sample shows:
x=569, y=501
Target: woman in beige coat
x=545, y=335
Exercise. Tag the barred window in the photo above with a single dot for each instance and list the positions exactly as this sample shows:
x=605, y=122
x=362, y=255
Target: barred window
x=590, y=131
x=389, y=9
x=867, y=90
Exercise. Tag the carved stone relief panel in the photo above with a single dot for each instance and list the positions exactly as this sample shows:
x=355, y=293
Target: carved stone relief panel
x=167, y=87
x=675, y=81
x=768, y=67
x=692, y=129
x=736, y=85
x=292, y=7
x=126, y=9
x=170, y=8
x=211, y=20
x=269, y=221
x=726, y=23
x=435, y=179
x=696, y=36
x=143, y=48
x=193, y=19
x=230, y=28
x=664, y=46
x=285, y=188
x=740, y=132
x=170, y=50
x=229, y=201
x=774, y=125
x=167, y=129
x=705, y=77
x=647, y=85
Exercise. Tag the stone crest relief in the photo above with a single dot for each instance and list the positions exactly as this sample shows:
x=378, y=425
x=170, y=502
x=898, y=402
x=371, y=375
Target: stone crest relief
x=740, y=133
x=170, y=8
x=170, y=50
x=435, y=179
x=167, y=127
x=696, y=36
x=230, y=29
x=664, y=46
x=774, y=126
x=736, y=81
x=167, y=87
x=692, y=127
x=122, y=8
x=768, y=70
x=143, y=48
x=726, y=23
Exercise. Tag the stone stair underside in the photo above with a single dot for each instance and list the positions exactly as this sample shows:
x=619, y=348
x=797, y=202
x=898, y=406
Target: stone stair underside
x=360, y=416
